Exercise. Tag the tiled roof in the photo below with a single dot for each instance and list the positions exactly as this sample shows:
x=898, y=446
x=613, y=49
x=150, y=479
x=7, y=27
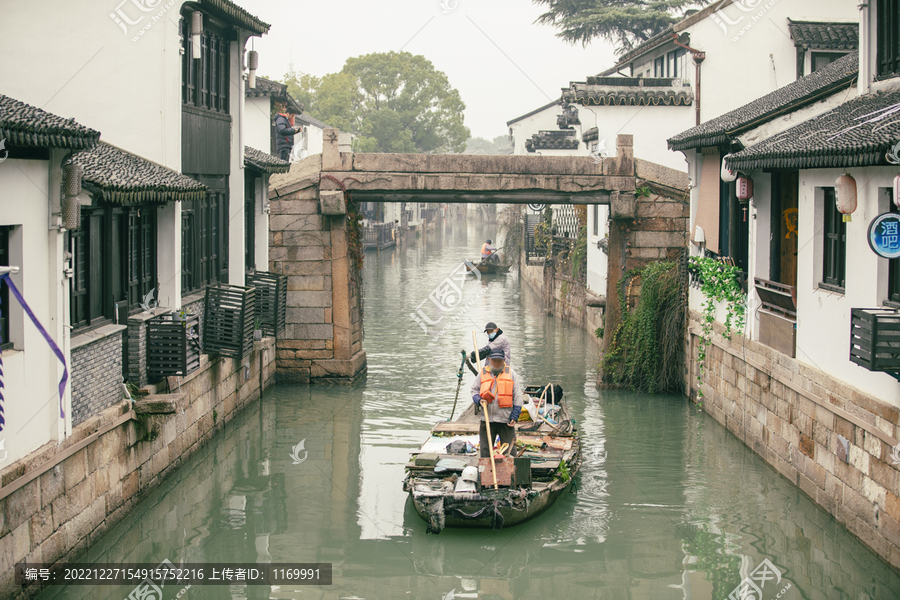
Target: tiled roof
x=122, y=177
x=264, y=162
x=657, y=40
x=857, y=133
x=552, y=140
x=806, y=90
x=24, y=125
x=591, y=135
x=273, y=89
x=825, y=36
x=236, y=15
x=634, y=91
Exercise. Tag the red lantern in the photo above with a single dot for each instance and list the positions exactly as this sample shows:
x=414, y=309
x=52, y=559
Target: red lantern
x=744, y=188
x=845, y=196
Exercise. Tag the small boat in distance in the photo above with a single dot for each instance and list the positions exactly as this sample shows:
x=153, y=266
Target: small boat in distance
x=451, y=486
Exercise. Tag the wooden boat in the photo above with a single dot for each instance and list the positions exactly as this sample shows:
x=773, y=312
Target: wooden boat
x=491, y=268
x=546, y=460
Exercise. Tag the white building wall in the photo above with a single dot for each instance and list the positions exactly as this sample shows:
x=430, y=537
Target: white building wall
x=823, y=317
x=31, y=372
x=755, y=55
x=80, y=64
x=598, y=263
x=258, y=123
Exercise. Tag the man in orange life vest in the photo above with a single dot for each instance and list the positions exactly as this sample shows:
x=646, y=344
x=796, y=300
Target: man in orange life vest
x=488, y=252
x=498, y=385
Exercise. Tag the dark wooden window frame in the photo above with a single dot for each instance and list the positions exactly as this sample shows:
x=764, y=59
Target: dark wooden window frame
x=834, y=249
x=250, y=179
x=816, y=55
x=887, y=40
x=205, y=82
x=204, y=237
x=5, y=342
x=115, y=262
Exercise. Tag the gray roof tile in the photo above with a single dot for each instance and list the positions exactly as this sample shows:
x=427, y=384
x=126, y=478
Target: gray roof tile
x=125, y=178
x=24, y=125
x=857, y=133
x=825, y=36
x=806, y=90
x=265, y=162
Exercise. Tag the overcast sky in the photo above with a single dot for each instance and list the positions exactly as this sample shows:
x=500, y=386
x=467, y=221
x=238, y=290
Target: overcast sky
x=501, y=62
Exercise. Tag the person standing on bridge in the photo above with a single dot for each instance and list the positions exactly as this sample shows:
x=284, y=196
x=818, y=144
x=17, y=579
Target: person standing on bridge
x=488, y=252
x=285, y=130
x=496, y=339
x=498, y=385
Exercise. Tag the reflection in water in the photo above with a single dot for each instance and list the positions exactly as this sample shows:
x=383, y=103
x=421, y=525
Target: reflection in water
x=669, y=504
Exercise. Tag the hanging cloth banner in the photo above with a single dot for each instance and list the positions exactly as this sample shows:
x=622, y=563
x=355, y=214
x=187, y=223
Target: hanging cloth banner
x=5, y=278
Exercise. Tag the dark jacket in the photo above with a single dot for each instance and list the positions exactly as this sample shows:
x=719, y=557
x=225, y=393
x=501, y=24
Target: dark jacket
x=284, y=133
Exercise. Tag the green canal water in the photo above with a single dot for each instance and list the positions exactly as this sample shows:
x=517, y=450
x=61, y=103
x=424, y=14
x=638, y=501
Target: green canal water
x=669, y=505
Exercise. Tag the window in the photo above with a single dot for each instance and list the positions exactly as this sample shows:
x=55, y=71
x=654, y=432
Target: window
x=820, y=60
x=204, y=82
x=249, y=221
x=888, y=38
x=204, y=237
x=114, y=262
x=4, y=289
x=597, y=220
x=835, y=247
x=659, y=66
x=674, y=62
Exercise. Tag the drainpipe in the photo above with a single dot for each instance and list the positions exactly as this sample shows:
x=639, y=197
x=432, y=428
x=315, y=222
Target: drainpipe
x=699, y=57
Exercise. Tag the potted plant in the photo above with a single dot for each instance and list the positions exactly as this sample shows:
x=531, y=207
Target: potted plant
x=257, y=331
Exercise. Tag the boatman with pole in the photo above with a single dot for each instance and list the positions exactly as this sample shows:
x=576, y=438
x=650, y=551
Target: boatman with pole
x=496, y=339
x=488, y=253
x=497, y=389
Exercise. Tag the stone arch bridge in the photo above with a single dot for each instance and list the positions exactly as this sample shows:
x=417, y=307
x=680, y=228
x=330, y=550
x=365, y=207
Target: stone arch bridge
x=322, y=342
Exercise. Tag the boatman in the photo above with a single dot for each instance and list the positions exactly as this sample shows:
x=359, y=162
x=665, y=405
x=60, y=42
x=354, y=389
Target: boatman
x=496, y=339
x=498, y=386
x=488, y=253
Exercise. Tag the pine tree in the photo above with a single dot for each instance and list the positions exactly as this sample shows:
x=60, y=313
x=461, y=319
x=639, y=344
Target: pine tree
x=625, y=23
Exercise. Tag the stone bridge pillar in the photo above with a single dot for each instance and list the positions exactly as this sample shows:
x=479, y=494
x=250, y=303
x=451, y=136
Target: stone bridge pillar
x=322, y=342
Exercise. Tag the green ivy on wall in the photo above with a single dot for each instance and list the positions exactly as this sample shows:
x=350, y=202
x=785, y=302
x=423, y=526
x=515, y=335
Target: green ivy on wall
x=719, y=282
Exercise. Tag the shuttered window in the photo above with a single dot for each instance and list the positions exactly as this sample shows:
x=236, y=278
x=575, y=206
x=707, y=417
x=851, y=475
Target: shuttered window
x=835, y=246
x=888, y=38
x=204, y=82
x=204, y=236
x=894, y=272
x=114, y=262
x=4, y=290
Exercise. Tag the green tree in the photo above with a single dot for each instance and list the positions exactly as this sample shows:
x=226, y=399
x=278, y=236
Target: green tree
x=391, y=102
x=625, y=23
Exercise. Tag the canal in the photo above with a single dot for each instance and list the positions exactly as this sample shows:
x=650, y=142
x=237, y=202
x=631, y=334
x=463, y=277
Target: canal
x=669, y=505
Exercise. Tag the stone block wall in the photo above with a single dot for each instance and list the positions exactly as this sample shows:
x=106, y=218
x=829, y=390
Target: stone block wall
x=72, y=494
x=826, y=437
x=562, y=296
x=322, y=341
x=96, y=371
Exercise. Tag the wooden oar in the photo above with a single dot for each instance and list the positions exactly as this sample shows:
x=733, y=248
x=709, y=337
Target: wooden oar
x=487, y=419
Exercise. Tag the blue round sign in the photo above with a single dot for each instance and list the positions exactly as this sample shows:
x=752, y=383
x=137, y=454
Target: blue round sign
x=884, y=235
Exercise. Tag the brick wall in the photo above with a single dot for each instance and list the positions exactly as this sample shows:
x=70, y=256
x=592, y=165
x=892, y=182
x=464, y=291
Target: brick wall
x=562, y=296
x=96, y=372
x=798, y=419
x=68, y=507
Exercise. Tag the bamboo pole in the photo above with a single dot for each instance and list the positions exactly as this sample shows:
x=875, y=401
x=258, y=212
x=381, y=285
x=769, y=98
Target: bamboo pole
x=487, y=419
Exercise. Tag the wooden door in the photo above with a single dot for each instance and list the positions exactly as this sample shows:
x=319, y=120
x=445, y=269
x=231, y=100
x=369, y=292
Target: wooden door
x=785, y=226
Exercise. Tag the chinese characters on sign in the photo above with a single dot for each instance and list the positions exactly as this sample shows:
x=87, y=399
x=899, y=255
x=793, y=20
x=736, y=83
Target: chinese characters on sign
x=884, y=235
